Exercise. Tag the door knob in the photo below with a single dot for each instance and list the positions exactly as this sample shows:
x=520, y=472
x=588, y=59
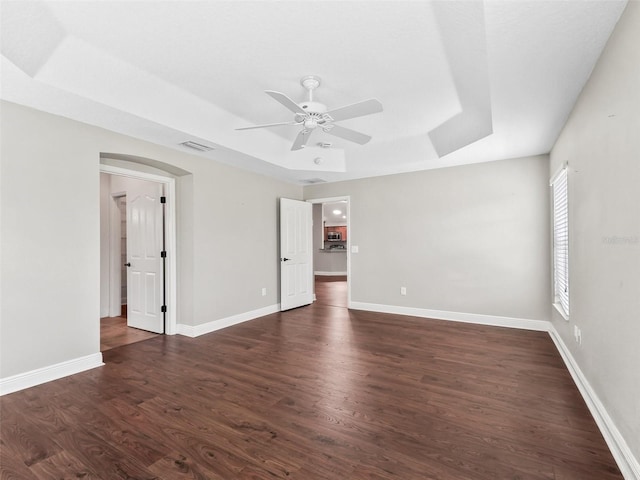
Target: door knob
x=128, y=264
x=285, y=259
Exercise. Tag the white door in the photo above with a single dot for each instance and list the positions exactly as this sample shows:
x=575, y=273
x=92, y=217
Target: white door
x=296, y=254
x=145, y=282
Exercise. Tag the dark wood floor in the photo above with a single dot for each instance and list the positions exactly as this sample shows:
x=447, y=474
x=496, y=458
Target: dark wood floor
x=331, y=291
x=318, y=392
x=114, y=332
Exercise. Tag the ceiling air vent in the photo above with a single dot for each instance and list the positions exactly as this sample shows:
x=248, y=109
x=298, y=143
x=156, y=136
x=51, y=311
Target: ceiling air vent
x=197, y=146
x=311, y=181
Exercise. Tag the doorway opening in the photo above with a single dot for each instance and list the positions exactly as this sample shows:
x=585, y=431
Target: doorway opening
x=137, y=281
x=332, y=251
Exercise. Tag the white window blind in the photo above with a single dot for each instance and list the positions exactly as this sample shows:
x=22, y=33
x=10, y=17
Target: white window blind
x=561, y=240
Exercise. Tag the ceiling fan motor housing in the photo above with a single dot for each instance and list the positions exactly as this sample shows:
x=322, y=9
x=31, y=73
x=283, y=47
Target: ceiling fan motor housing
x=315, y=114
x=313, y=107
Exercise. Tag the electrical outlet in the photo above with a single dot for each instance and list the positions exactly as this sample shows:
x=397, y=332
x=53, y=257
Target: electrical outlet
x=264, y=292
x=403, y=290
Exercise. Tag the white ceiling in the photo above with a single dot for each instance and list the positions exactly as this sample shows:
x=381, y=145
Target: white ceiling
x=333, y=219
x=460, y=82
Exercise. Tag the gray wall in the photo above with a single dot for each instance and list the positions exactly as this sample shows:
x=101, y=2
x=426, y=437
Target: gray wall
x=470, y=239
x=601, y=144
x=105, y=240
x=50, y=237
x=328, y=262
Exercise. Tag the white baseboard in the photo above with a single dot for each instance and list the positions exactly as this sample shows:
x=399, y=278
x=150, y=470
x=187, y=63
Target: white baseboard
x=628, y=464
x=47, y=374
x=196, y=331
x=330, y=274
x=523, y=323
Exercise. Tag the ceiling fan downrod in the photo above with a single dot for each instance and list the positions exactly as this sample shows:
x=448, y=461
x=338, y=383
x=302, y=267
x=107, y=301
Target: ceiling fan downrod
x=310, y=82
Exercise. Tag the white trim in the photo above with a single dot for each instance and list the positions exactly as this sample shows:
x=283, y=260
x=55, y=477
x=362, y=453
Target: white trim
x=196, y=331
x=125, y=172
x=115, y=257
x=330, y=274
x=171, y=228
x=560, y=240
x=560, y=310
x=628, y=464
x=329, y=200
x=511, y=322
x=170, y=232
x=50, y=373
x=349, y=236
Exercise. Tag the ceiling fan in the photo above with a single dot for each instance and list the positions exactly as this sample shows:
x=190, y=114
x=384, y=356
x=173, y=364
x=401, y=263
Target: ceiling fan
x=312, y=115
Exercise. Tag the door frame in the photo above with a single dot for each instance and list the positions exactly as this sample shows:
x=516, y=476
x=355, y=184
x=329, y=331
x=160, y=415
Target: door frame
x=170, y=240
x=115, y=254
x=330, y=200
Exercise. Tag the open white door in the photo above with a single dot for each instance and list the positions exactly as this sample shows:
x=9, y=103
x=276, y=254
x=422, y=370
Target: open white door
x=296, y=254
x=145, y=282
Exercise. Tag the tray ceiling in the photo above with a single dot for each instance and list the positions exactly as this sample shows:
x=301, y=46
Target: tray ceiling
x=460, y=82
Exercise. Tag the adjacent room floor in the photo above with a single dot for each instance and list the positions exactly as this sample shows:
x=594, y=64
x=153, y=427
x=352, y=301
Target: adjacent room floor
x=319, y=392
x=114, y=332
x=331, y=290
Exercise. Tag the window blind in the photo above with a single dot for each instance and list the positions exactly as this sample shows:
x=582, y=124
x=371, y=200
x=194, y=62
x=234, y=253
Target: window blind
x=561, y=240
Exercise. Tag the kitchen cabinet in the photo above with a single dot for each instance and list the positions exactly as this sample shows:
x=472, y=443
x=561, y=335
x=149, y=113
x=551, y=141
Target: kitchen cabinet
x=341, y=230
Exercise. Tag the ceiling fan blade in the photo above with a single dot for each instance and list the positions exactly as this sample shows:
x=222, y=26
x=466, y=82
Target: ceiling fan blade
x=269, y=125
x=302, y=139
x=348, y=134
x=286, y=101
x=360, y=109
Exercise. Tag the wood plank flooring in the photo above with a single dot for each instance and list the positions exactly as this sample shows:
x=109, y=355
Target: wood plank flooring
x=319, y=392
x=331, y=290
x=114, y=332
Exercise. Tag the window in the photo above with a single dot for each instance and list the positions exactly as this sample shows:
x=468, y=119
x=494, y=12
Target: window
x=560, y=201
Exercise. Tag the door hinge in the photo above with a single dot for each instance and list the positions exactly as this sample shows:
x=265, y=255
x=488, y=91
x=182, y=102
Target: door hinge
x=163, y=254
x=163, y=309
x=163, y=199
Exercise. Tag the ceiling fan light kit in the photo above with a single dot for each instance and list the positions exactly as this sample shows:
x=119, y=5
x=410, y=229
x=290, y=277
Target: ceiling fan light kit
x=312, y=115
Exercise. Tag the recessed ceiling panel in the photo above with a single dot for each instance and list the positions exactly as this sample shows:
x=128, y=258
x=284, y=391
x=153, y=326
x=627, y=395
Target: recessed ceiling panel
x=170, y=71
